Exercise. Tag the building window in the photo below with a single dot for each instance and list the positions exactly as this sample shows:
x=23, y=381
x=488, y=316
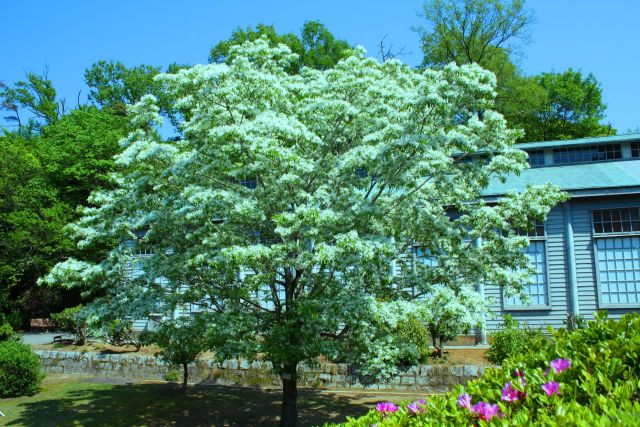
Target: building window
x=625, y=220
x=635, y=150
x=250, y=183
x=537, y=230
x=536, y=289
x=536, y=158
x=617, y=253
x=423, y=256
x=590, y=153
x=362, y=173
x=619, y=269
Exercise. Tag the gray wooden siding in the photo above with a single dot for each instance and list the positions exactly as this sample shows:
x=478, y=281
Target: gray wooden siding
x=556, y=282
x=585, y=259
x=557, y=273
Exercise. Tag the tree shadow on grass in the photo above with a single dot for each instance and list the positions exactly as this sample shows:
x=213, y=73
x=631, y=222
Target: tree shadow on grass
x=165, y=405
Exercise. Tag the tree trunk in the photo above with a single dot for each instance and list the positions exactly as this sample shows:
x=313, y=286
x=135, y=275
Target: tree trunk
x=289, y=414
x=437, y=352
x=185, y=376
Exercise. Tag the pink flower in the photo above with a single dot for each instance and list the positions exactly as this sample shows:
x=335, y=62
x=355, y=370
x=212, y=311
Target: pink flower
x=519, y=373
x=464, y=401
x=386, y=407
x=486, y=411
x=559, y=365
x=417, y=407
x=551, y=388
x=509, y=394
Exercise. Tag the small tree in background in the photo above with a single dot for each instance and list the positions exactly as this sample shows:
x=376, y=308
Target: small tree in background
x=448, y=313
x=75, y=320
x=182, y=341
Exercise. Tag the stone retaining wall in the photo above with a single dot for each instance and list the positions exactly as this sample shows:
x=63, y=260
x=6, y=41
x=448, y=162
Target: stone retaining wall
x=431, y=378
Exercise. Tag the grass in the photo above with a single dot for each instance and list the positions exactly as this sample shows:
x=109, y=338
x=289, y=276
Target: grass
x=84, y=401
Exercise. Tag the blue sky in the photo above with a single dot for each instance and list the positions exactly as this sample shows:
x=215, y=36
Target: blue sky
x=596, y=36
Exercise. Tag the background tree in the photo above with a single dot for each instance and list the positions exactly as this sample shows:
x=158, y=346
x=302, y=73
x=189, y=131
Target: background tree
x=547, y=106
x=448, y=314
x=113, y=86
x=572, y=108
x=473, y=31
x=316, y=47
x=77, y=151
x=37, y=95
x=32, y=217
x=50, y=164
x=290, y=197
x=74, y=320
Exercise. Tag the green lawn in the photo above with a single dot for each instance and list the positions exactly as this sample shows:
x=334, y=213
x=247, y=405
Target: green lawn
x=82, y=401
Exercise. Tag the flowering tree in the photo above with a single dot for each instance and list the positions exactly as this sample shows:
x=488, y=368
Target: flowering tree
x=290, y=201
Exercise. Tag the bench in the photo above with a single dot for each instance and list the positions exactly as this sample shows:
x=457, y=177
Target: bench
x=41, y=324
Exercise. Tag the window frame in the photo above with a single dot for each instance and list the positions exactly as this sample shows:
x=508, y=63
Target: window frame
x=533, y=307
x=536, y=154
x=605, y=153
x=596, y=261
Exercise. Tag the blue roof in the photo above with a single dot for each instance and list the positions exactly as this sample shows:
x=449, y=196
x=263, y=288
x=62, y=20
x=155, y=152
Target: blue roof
x=586, y=176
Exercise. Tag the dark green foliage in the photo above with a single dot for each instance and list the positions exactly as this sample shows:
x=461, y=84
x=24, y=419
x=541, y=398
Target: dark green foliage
x=19, y=370
x=316, y=47
x=412, y=338
x=77, y=151
x=512, y=338
x=73, y=320
x=600, y=388
x=44, y=177
x=32, y=218
x=572, y=108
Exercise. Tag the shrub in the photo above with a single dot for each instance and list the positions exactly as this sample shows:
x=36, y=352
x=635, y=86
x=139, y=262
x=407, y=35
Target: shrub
x=73, y=320
x=6, y=332
x=512, y=339
x=172, y=376
x=587, y=377
x=412, y=339
x=120, y=332
x=19, y=370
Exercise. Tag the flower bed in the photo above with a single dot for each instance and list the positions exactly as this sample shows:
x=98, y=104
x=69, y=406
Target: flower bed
x=588, y=377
